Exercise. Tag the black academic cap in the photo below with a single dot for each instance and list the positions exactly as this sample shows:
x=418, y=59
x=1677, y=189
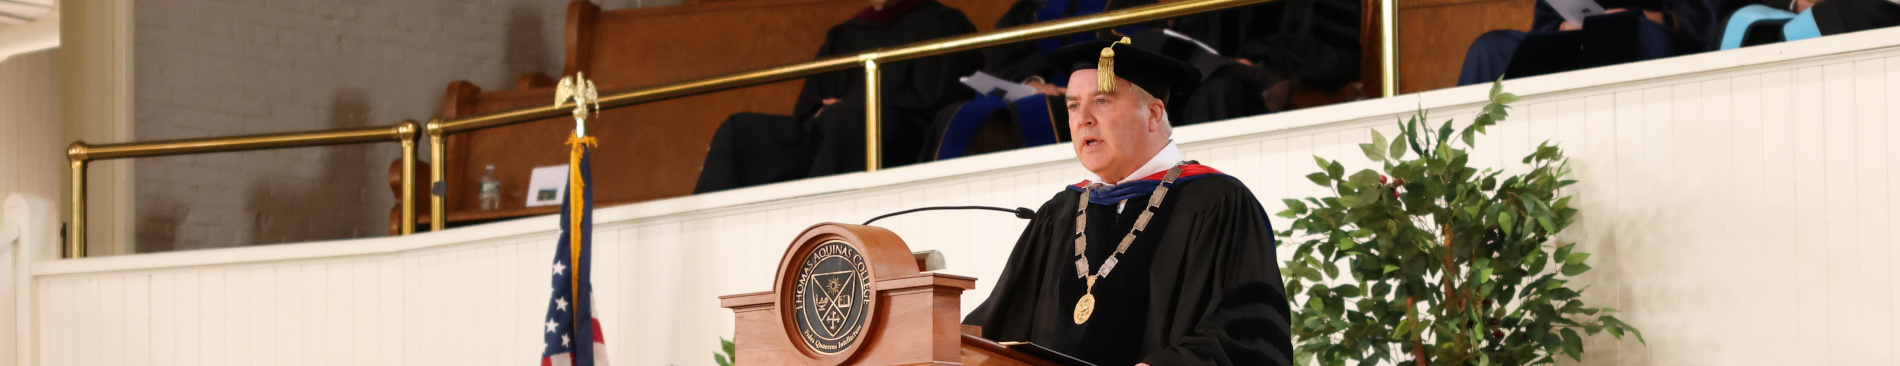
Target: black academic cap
x=1157, y=74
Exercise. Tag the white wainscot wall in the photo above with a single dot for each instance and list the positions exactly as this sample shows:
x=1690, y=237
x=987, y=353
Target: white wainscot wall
x=1738, y=205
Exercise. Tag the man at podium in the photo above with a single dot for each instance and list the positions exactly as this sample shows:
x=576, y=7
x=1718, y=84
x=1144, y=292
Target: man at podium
x=1150, y=259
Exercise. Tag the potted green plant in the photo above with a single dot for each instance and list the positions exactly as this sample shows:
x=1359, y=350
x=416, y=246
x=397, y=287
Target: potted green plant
x=1443, y=263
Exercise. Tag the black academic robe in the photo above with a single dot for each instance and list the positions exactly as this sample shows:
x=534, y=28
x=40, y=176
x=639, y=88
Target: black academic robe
x=1314, y=43
x=1021, y=61
x=1200, y=287
x=816, y=140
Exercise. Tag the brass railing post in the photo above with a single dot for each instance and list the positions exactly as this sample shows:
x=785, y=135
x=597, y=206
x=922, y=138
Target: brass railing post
x=1389, y=48
x=873, y=141
x=407, y=133
x=76, y=231
x=438, y=170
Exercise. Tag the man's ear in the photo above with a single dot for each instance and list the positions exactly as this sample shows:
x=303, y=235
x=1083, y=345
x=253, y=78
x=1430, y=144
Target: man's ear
x=1157, y=115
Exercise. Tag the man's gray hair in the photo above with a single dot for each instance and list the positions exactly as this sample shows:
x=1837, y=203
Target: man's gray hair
x=1143, y=97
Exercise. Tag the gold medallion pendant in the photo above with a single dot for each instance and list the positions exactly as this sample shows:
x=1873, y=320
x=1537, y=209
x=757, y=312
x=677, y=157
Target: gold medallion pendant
x=1086, y=306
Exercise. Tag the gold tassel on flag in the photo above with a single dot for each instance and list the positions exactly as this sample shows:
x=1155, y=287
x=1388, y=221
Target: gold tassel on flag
x=577, y=203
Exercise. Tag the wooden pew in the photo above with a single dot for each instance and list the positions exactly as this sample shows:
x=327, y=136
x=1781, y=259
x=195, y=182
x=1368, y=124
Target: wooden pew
x=1434, y=34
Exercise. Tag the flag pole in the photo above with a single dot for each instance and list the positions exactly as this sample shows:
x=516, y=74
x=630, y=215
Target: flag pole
x=582, y=92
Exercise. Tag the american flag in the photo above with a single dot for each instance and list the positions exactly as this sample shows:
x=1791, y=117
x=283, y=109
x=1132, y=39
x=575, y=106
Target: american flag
x=565, y=343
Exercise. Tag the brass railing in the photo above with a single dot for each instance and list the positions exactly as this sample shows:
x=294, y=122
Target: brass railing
x=439, y=129
x=80, y=154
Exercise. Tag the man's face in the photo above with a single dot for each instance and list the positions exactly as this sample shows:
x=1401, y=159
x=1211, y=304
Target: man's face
x=1112, y=133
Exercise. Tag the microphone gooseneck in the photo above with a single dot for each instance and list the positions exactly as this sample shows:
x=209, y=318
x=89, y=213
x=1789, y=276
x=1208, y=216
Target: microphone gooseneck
x=1021, y=212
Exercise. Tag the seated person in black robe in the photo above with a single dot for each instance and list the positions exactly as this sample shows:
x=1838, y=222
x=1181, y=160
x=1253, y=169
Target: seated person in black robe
x=992, y=122
x=1629, y=31
x=1175, y=263
x=1754, y=22
x=1254, y=56
x=825, y=134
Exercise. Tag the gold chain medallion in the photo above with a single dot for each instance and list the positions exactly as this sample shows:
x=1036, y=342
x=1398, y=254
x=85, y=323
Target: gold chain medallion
x=1086, y=306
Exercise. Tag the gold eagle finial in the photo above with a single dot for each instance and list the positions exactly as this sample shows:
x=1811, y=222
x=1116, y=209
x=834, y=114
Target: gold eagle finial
x=582, y=92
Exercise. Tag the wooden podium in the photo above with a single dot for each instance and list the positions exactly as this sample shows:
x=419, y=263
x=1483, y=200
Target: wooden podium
x=854, y=295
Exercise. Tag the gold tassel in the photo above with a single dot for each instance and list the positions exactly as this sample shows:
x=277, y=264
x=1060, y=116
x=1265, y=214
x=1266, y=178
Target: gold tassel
x=1105, y=68
x=577, y=203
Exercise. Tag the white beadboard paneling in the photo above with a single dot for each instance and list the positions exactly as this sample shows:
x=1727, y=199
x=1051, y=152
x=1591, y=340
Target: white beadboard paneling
x=1749, y=184
x=1873, y=261
x=1810, y=193
x=112, y=321
x=1892, y=117
x=85, y=305
x=211, y=313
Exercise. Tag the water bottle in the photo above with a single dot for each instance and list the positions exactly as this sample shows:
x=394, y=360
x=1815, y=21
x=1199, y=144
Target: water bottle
x=491, y=190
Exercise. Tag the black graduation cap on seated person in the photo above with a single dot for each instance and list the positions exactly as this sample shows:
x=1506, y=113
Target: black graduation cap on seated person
x=1157, y=74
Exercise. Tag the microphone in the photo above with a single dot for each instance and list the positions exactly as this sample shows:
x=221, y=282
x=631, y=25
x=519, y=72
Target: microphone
x=1021, y=212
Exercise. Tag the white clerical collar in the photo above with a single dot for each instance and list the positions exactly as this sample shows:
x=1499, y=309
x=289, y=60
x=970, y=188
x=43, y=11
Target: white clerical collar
x=1167, y=158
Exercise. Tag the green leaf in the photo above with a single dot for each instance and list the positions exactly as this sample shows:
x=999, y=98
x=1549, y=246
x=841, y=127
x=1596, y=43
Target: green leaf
x=1335, y=170
x=1379, y=146
x=1576, y=258
x=1505, y=98
x=1444, y=132
x=1389, y=268
x=1397, y=150
x=1321, y=161
x=1372, y=152
x=1573, y=344
x=1321, y=179
x=1332, y=270
x=1535, y=262
x=1295, y=205
x=720, y=360
x=1619, y=322
x=1505, y=221
x=1411, y=136
x=1496, y=112
x=1575, y=269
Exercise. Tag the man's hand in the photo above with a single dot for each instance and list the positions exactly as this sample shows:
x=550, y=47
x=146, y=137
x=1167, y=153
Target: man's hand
x=1803, y=5
x=821, y=110
x=1046, y=88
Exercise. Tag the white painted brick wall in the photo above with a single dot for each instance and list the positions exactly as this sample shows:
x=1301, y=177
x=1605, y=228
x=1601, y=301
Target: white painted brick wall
x=208, y=68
